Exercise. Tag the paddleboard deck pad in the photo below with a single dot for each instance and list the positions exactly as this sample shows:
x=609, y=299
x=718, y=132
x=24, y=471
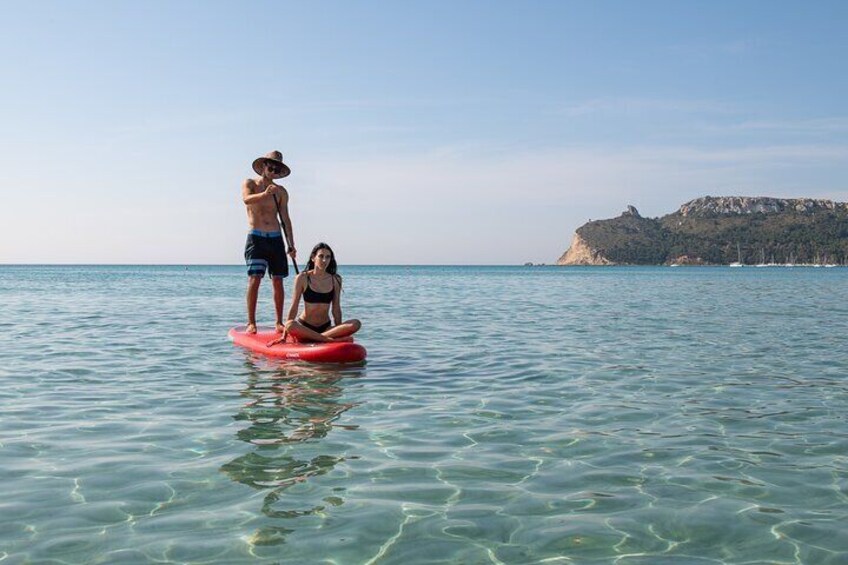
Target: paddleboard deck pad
x=335, y=352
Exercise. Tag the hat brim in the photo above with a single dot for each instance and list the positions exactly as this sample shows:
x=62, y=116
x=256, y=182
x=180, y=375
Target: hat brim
x=259, y=163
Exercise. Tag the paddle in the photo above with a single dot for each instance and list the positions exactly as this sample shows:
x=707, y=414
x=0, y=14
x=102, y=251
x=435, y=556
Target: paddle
x=283, y=227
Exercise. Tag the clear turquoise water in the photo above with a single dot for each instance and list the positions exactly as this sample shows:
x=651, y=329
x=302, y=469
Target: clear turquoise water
x=505, y=415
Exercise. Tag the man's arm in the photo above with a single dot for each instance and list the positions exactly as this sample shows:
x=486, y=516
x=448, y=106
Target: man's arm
x=284, y=215
x=250, y=196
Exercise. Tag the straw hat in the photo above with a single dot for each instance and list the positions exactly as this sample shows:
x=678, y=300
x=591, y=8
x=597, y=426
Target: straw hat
x=274, y=157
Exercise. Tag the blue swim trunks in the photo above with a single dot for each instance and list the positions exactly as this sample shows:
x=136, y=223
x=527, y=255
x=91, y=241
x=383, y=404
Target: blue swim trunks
x=266, y=251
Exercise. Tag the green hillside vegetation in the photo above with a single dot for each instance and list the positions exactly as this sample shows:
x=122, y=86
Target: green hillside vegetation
x=785, y=237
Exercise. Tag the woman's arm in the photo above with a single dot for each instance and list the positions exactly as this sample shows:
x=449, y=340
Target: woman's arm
x=337, y=301
x=297, y=292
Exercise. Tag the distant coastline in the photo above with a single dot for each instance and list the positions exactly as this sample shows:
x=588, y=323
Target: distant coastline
x=731, y=230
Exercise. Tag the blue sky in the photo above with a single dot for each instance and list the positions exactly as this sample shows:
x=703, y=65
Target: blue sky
x=417, y=132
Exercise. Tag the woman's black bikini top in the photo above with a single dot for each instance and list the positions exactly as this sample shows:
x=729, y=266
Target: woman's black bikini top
x=312, y=296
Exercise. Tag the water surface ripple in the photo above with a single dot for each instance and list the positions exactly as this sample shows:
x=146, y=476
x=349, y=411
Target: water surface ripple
x=505, y=415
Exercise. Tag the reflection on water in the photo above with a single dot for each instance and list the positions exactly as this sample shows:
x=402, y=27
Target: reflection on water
x=288, y=408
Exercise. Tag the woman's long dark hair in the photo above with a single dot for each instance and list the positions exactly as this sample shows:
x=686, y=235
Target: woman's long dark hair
x=332, y=267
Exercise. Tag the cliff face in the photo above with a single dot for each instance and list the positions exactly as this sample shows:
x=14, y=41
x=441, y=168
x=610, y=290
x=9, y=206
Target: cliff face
x=614, y=242
x=718, y=230
x=711, y=206
x=581, y=253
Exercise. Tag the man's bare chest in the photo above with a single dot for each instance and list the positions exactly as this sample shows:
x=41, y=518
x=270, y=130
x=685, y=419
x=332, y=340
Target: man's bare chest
x=266, y=205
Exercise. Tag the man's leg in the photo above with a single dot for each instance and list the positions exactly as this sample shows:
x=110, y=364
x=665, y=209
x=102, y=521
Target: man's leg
x=279, y=298
x=256, y=266
x=252, y=295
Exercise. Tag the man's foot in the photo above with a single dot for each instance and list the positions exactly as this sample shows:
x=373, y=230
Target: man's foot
x=251, y=329
x=281, y=328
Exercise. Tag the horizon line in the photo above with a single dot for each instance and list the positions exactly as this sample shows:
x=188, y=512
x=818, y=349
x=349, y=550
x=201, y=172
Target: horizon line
x=241, y=265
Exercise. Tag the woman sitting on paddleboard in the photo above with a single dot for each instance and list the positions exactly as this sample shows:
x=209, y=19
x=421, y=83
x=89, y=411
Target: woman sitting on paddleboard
x=321, y=289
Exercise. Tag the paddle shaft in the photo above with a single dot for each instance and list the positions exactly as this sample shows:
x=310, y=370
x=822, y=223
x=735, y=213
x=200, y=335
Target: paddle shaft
x=285, y=235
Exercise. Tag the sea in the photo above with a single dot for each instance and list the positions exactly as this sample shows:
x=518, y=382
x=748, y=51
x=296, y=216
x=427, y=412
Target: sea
x=557, y=415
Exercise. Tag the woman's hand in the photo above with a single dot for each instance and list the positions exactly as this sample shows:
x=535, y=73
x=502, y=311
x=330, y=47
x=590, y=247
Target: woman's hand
x=280, y=339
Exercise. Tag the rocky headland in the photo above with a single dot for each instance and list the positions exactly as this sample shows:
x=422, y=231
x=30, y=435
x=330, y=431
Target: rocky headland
x=718, y=231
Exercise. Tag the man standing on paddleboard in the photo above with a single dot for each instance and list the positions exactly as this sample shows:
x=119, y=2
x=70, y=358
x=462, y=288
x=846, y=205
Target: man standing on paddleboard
x=265, y=249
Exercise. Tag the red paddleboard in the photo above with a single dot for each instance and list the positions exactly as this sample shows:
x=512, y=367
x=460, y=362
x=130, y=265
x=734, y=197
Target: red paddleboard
x=335, y=352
